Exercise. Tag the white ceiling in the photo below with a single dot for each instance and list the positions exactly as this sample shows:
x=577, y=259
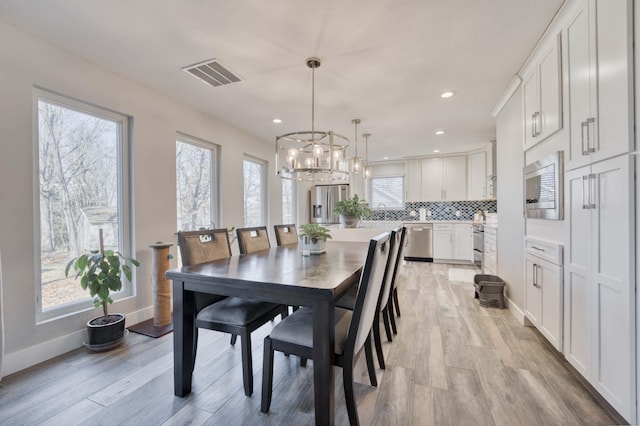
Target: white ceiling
x=383, y=61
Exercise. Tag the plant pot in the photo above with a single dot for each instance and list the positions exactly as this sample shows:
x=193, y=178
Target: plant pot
x=102, y=336
x=349, y=221
x=309, y=247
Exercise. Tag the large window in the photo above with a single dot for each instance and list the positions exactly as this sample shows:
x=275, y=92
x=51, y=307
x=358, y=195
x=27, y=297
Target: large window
x=387, y=192
x=195, y=184
x=83, y=187
x=288, y=201
x=255, y=205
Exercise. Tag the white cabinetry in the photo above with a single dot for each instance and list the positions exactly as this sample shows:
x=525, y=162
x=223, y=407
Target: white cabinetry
x=413, y=180
x=490, y=255
x=543, y=288
x=462, y=241
x=599, y=291
x=477, y=176
x=442, y=241
x=542, y=90
x=600, y=56
x=444, y=179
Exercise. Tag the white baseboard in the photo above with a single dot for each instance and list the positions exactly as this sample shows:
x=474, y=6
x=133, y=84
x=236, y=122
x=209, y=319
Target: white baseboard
x=44, y=351
x=515, y=310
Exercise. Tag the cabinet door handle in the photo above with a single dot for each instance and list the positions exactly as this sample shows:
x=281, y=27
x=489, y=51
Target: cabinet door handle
x=592, y=189
x=533, y=125
x=537, y=248
x=582, y=127
x=584, y=204
x=535, y=276
x=590, y=128
x=537, y=283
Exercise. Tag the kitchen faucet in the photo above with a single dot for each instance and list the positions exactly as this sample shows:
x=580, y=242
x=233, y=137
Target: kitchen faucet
x=385, y=209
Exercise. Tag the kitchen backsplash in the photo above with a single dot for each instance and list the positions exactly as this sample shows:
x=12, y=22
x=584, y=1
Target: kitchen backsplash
x=440, y=210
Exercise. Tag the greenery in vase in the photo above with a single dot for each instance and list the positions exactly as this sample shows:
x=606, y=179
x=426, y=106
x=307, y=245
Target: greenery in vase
x=314, y=232
x=353, y=206
x=101, y=273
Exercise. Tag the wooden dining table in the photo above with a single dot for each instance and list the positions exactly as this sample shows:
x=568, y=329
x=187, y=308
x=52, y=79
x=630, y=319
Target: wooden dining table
x=282, y=275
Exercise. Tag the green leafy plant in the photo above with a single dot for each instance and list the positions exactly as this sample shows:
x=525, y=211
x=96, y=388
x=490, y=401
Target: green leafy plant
x=101, y=273
x=314, y=232
x=353, y=206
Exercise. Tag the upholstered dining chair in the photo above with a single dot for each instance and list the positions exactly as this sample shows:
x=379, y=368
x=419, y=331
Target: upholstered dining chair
x=393, y=295
x=251, y=240
x=234, y=315
x=286, y=234
x=294, y=334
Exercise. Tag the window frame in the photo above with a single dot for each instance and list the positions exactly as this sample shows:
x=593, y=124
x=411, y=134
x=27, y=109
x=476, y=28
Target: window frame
x=264, y=213
x=402, y=192
x=214, y=186
x=125, y=235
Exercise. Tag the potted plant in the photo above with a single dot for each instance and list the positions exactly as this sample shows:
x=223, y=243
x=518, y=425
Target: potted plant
x=314, y=238
x=100, y=272
x=351, y=211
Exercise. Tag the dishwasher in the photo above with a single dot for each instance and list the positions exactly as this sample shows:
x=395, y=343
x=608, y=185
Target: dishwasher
x=419, y=242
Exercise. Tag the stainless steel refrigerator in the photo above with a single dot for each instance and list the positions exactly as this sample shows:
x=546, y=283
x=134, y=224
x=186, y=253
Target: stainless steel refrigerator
x=322, y=200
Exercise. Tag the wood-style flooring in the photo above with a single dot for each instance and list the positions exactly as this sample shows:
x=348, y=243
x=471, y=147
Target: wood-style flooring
x=452, y=363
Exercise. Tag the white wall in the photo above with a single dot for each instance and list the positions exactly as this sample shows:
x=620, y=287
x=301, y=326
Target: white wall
x=510, y=160
x=26, y=62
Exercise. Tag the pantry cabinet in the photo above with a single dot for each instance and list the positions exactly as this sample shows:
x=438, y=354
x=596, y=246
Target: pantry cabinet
x=600, y=60
x=599, y=291
x=542, y=92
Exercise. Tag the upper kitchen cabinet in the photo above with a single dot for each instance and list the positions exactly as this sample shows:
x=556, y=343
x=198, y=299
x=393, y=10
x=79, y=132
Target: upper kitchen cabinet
x=600, y=56
x=542, y=91
x=478, y=179
x=444, y=178
x=413, y=180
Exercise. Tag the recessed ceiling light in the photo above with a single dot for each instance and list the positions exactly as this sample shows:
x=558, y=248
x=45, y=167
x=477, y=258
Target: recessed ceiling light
x=385, y=158
x=439, y=132
x=446, y=95
x=277, y=120
x=436, y=150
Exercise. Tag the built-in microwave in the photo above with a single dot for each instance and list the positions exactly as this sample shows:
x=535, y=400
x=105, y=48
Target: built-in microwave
x=543, y=182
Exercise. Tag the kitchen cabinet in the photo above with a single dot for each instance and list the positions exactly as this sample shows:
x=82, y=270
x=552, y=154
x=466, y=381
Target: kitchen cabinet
x=599, y=291
x=600, y=60
x=490, y=255
x=413, y=180
x=444, y=178
x=452, y=241
x=477, y=176
x=543, y=289
x=542, y=92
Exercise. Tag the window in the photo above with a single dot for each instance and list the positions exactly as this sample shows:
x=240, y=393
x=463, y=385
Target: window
x=195, y=184
x=83, y=187
x=288, y=201
x=254, y=192
x=387, y=192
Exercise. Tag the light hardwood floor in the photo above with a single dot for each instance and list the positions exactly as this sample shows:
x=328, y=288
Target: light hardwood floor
x=452, y=363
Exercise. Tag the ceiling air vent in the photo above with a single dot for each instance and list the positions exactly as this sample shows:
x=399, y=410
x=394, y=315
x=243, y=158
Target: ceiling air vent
x=212, y=72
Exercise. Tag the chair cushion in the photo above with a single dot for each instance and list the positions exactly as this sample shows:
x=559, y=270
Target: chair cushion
x=297, y=328
x=235, y=311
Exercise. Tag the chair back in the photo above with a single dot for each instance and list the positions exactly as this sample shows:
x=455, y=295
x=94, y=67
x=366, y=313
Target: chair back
x=394, y=240
x=286, y=234
x=396, y=267
x=369, y=287
x=203, y=246
x=253, y=239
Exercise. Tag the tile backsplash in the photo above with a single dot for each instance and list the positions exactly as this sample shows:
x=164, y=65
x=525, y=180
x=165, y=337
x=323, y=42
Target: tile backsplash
x=440, y=210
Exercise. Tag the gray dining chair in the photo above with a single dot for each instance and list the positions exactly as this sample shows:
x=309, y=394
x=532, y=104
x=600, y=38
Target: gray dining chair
x=294, y=334
x=285, y=234
x=235, y=315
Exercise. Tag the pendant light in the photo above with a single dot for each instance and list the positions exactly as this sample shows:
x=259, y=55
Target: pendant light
x=312, y=155
x=356, y=162
x=367, y=167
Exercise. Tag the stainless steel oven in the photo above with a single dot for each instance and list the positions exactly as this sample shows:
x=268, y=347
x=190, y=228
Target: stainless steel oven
x=478, y=244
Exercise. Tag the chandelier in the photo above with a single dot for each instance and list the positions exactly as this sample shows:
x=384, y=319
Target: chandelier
x=367, y=167
x=312, y=155
x=356, y=162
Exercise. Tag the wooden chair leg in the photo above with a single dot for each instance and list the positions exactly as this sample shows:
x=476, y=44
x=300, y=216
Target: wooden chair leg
x=387, y=328
x=347, y=378
x=395, y=300
x=247, y=362
x=267, y=376
x=392, y=316
x=371, y=368
x=376, y=340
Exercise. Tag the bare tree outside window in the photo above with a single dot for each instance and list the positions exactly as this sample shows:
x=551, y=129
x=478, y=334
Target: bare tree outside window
x=288, y=202
x=79, y=181
x=194, y=174
x=254, y=193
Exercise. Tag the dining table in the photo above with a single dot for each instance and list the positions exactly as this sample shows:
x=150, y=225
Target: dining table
x=282, y=275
